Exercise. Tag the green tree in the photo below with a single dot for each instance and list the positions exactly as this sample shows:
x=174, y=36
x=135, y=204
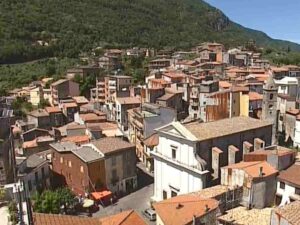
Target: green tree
x=2, y=190
x=43, y=103
x=52, y=201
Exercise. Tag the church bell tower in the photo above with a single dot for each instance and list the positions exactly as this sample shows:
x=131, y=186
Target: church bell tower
x=269, y=105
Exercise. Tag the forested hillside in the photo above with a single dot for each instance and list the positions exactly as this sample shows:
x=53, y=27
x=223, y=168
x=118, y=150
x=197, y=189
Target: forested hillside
x=34, y=29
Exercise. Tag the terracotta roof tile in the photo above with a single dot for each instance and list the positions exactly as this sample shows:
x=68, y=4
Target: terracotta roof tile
x=91, y=117
x=30, y=144
x=205, y=131
x=224, y=84
x=112, y=144
x=165, y=97
x=290, y=212
x=242, y=215
x=129, y=100
x=77, y=139
x=291, y=175
x=253, y=171
x=129, y=217
x=51, y=219
x=254, y=96
x=103, y=126
x=80, y=99
x=253, y=168
x=181, y=209
x=152, y=140
x=38, y=113
x=294, y=112
x=53, y=109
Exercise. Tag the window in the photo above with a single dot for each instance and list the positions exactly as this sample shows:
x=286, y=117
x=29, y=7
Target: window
x=282, y=185
x=297, y=191
x=113, y=161
x=70, y=164
x=173, y=153
x=271, y=96
x=165, y=195
x=173, y=193
x=61, y=160
x=81, y=169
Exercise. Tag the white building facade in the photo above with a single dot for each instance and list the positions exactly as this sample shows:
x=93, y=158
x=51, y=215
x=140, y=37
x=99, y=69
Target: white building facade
x=176, y=168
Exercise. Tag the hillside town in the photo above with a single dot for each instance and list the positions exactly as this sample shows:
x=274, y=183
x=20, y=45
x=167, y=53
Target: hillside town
x=209, y=136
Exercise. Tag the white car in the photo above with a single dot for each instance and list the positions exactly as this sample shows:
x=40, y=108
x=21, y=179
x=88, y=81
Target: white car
x=150, y=214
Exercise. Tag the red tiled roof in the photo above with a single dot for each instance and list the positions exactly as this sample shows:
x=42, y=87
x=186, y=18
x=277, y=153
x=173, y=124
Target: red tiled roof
x=91, y=116
x=129, y=100
x=291, y=175
x=174, y=75
x=152, y=140
x=293, y=112
x=57, y=219
x=290, y=212
x=224, y=84
x=53, y=109
x=129, y=217
x=254, y=96
x=181, y=209
x=161, y=81
x=30, y=144
x=77, y=139
x=253, y=168
x=112, y=144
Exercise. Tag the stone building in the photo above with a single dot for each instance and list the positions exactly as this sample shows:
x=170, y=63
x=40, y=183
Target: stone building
x=63, y=89
x=142, y=124
x=288, y=185
x=258, y=180
x=269, y=106
x=189, y=157
x=106, y=163
x=6, y=146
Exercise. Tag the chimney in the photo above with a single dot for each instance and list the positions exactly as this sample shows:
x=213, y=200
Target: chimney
x=179, y=206
x=206, y=208
x=194, y=220
x=261, y=171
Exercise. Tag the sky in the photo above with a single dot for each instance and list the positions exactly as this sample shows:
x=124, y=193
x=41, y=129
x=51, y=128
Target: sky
x=280, y=19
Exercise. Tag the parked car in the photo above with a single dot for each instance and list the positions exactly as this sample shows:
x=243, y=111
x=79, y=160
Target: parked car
x=150, y=214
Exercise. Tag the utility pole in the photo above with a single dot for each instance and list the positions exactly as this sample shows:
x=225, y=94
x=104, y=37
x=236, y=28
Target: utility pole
x=20, y=204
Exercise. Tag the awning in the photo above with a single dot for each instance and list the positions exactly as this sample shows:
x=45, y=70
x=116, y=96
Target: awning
x=101, y=195
x=87, y=203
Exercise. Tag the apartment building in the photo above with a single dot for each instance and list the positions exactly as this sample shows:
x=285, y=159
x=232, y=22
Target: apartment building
x=105, y=163
x=142, y=124
x=63, y=89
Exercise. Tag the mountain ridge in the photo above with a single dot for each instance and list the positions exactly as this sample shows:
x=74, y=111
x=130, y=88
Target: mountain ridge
x=75, y=26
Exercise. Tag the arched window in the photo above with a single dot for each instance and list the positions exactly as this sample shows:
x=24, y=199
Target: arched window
x=271, y=96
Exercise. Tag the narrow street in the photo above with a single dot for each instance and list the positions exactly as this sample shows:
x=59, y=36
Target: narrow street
x=138, y=200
